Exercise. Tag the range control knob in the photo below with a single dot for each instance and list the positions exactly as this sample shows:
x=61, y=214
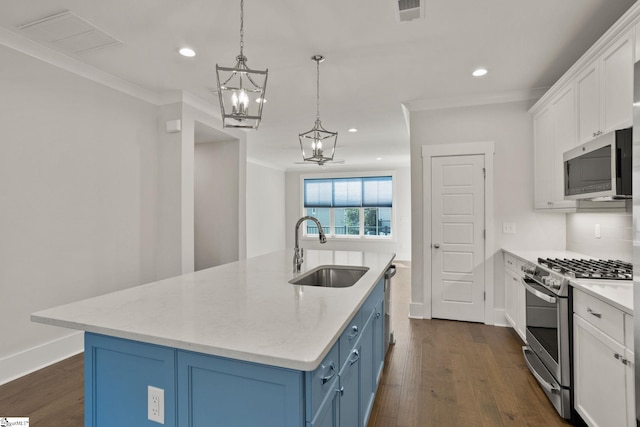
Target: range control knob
x=528, y=269
x=553, y=283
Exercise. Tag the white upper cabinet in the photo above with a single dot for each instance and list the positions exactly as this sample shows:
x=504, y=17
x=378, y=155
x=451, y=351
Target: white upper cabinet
x=617, y=85
x=637, y=44
x=605, y=91
x=563, y=108
x=543, y=148
x=554, y=132
x=594, y=97
x=588, y=103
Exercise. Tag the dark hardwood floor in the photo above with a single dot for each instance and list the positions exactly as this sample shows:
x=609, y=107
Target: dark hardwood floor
x=439, y=373
x=444, y=373
x=53, y=396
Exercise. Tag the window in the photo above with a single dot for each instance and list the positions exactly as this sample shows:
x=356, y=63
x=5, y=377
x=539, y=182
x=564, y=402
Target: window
x=348, y=207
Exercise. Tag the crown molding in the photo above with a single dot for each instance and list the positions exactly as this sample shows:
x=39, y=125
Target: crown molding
x=50, y=56
x=471, y=101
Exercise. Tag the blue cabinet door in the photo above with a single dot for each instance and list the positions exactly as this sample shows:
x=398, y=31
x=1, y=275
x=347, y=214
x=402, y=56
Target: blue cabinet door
x=327, y=414
x=116, y=379
x=350, y=396
x=367, y=377
x=226, y=392
x=378, y=342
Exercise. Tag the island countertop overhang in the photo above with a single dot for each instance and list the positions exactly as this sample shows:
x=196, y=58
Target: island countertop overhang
x=244, y=310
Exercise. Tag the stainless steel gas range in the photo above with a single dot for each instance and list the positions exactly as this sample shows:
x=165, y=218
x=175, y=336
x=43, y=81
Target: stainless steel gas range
x=548, y=319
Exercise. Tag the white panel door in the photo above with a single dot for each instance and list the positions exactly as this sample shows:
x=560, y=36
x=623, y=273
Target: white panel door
x=457, y=233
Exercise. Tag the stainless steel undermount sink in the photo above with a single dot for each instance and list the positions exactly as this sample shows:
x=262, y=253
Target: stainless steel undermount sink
x=331, y=276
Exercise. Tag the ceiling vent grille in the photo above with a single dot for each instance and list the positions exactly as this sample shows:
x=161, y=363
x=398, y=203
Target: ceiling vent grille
x=69, y=32
x=408, y=10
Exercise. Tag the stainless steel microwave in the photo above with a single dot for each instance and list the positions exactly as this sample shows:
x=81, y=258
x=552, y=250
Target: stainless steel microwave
x=600, y=169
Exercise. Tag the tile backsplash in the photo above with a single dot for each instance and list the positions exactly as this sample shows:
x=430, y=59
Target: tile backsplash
x=615, y=231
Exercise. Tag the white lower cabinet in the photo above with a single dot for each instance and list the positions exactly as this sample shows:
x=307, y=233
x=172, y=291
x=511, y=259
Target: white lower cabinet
x=515, y=310
x=602, y=365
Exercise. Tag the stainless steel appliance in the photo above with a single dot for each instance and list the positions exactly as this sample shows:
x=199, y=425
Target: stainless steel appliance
x=636, y=228
x=600, y=169
x=548, y=319
x=547, y=334
x=389, y=339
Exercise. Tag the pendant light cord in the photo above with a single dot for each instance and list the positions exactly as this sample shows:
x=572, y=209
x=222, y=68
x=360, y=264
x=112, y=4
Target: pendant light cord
x=317, y=89
x=241, y=27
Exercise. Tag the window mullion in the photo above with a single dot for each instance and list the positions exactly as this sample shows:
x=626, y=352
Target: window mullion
x=361, y=210
x=332, y=221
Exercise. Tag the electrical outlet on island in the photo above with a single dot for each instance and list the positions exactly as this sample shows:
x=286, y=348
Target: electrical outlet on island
x=155, y=407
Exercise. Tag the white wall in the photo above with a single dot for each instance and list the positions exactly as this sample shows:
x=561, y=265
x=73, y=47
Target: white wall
x=616, y=235
x=216, y=204
x=510, y=127
x=235, y=169
x=400, y=245
x=78, y=194
x=265, y=209
x=169, y=222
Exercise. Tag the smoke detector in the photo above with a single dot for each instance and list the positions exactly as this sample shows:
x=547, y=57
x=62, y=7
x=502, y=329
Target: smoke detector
x=408, y=10
x=69, y=32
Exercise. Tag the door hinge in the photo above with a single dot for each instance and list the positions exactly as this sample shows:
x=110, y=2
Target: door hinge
x=484, y=172
x=484, y=234
x=621, y=358
x=484, y=296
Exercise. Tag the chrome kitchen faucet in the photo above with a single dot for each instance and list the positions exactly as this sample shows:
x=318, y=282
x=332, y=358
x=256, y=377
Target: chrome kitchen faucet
x=298, y=255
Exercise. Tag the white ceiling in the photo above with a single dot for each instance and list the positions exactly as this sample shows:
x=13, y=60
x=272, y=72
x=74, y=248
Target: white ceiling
x=373, y=64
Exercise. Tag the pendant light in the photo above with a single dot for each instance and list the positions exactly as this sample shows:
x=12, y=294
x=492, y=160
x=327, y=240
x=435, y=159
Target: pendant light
x=318, y=145
x=241, y=89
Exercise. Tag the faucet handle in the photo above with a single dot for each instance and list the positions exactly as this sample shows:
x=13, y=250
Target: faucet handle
x=301, y=254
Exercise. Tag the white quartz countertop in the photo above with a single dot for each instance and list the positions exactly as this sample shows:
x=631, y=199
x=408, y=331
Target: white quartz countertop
x=245, y=310
x=618, y=293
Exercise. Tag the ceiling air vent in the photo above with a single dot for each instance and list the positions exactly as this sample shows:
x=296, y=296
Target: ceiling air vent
x=69, y=32
x=408, y=10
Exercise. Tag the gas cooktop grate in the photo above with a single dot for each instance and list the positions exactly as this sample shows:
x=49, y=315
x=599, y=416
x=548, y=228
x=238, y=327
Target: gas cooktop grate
x=589, y=268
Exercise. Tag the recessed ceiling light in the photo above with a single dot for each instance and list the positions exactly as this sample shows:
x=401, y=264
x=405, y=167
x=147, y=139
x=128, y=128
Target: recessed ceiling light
x=188, y=52
x=353, y=130
x=378, y=158
x=479, y=72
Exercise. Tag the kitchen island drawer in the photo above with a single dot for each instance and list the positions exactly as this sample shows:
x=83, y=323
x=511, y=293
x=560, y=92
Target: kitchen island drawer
x=320, y=381
x=605, y=317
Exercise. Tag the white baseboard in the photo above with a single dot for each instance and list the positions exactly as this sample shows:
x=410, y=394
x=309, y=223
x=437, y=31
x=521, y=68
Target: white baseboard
x=25, y=362
x=416, y=310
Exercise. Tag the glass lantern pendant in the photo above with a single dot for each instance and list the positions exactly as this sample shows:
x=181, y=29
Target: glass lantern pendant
x=241, y=89
x=318, y=145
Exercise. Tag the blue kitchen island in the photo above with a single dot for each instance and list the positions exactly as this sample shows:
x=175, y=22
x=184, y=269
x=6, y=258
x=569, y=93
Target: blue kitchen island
x=235, y=345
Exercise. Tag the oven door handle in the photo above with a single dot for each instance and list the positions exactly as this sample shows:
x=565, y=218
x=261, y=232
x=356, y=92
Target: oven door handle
x=541, y=295
x=543, y=383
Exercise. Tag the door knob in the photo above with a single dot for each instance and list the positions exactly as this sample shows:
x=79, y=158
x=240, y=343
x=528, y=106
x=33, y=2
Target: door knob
x=436, y=245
